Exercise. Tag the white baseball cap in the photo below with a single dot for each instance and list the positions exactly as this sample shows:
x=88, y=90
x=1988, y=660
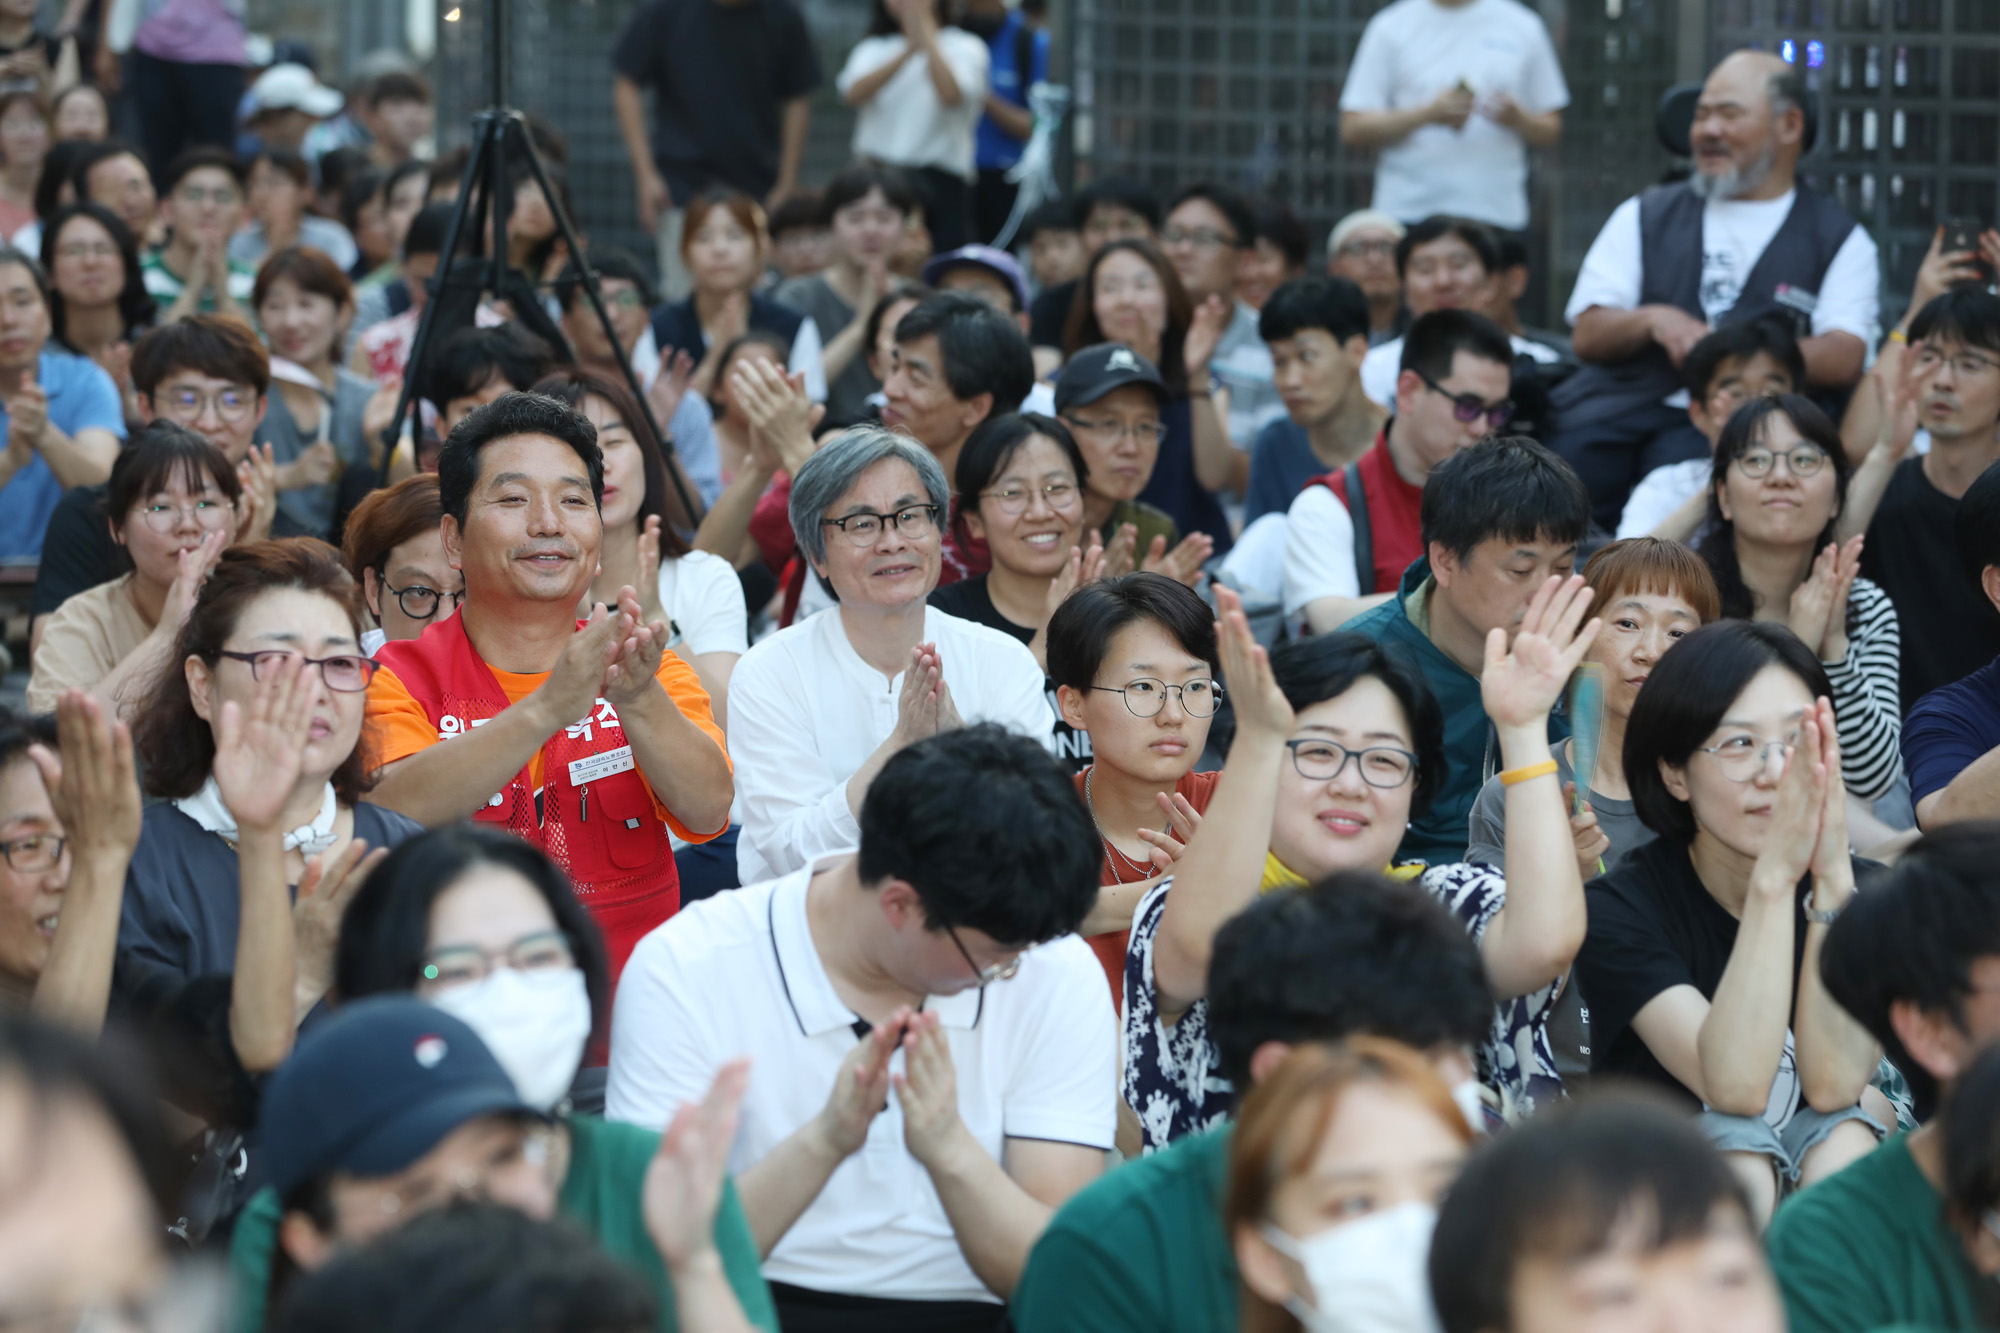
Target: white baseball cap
x=293, y=88
x=1366, y=219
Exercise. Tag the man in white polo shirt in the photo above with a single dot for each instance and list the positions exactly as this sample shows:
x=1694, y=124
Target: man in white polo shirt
x=928, y=1085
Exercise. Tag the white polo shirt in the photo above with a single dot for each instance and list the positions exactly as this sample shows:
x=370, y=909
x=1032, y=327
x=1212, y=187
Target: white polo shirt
x=805, y=712
x=738, y=974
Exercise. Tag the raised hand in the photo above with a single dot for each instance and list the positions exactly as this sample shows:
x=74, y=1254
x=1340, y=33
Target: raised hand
x=193, y=568
x=683, y=1184
x=578, y=678
x=917, y=705
x=777, y=408
x=93, y=783
x=1452, y=107
x=1792, y=842
x=1521, y=683
x=1591, y=841
x=1940, y=271
x=1211, y=320
x=670, y=385
x=1811, y=609
x=1182, y=820
x=27, y=416
x=1846, y=567
x=649, y=571
x=316, y=465
x=947, y=709
x=260, y=750
x=1184, y=563
x=1830, y=853
x=1085, y=565
x=258, y=475
x=1118, y=552
x=330, y=881
x=636, y=661
x=861, y=1088
x=1260, y=705
x=928, y=1091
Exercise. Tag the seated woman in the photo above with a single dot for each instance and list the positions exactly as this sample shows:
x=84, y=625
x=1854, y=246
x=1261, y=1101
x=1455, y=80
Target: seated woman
x=724, y=247
x=1702, y=978
x=1779, y=484
x=314, y=421
x=697, y=594
x=487, y=928
x=171, y=506
x=1651, y=594
x=1133, y=661
x=270, y=613
x=1337, y=1165
x=1338, y=741
x=1022, y=479
x=98, y=302
x=392, y=538
x=817, y=709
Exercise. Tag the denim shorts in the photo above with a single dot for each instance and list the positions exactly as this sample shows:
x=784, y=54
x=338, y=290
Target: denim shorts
x=1785, y=1147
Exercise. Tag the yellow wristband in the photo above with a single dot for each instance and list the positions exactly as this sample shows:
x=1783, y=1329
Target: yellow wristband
x=1898, y=336
x=1527, y=773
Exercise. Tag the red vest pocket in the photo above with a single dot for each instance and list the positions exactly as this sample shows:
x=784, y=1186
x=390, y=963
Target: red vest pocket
x=621, y=813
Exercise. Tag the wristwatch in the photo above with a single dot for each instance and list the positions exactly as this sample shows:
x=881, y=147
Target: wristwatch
x=1819, y=917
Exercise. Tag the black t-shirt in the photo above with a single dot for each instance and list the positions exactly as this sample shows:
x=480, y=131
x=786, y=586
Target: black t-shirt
x=1653, y=927
x=968, y=600
x=1949, y=628
x=720, y=75
x=77, y=550
x=1049, y=312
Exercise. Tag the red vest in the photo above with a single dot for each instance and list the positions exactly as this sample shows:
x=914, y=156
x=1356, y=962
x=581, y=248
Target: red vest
x=596, y=819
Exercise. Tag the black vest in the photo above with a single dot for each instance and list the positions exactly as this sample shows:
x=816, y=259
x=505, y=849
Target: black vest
x=1785, y=281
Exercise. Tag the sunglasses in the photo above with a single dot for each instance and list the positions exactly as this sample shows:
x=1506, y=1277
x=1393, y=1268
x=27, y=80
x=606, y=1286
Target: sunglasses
x=1469, y=407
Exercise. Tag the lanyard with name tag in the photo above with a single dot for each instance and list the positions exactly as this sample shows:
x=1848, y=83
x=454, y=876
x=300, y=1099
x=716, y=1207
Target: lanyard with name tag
x=592, y=767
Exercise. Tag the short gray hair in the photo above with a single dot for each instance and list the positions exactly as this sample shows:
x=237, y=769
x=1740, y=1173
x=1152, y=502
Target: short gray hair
x=832, y=472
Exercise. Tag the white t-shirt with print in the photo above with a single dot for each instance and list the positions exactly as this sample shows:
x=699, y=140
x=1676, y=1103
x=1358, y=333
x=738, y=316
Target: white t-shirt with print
x=1414, y=50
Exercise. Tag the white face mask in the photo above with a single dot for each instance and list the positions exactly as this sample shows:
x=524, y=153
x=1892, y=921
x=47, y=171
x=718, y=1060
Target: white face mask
x=535, y=1023
x=1471, y=1099
x=1367, y=1276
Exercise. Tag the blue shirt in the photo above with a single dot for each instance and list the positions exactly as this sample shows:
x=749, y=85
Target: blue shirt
x=1951, y=727
x=1281, y=463
x=81, y=396
x=994, y=147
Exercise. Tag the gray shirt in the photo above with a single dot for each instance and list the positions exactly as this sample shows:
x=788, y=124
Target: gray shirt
x=1487, y=829
x=307, y=511
x=847, y=393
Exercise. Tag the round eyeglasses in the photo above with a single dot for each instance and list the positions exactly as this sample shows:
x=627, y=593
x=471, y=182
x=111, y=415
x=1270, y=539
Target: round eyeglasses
x=1383, y=766
x=210, y=515
x=421, y=603
x=1014, y=500
x=1145, y=697
x=186, y=406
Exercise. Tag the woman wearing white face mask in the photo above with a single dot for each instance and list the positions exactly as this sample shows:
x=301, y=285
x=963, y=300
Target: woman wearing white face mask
x=487, y=928
x=1336, y=1168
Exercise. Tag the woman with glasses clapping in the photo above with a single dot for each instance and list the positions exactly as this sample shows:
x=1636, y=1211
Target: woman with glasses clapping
x=1775, y=499
x=1702, y=959
x=252, y=734
x=1338, y=742
x=817, y=709
x=171, y=505
x=394, y=549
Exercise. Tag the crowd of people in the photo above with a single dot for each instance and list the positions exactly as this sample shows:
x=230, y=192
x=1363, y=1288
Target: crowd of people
x=621, y=847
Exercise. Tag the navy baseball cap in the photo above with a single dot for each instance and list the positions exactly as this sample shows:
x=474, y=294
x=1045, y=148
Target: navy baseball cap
x=1096, y=371
x=374, y=1088
x=990, y=258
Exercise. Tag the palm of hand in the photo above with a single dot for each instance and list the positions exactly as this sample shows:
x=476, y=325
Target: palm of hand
x=255, y=771
x=1526, y=683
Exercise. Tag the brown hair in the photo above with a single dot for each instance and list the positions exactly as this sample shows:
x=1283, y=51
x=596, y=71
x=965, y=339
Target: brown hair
x=1082, y=330
x=219, y=345
x=176, y=747
x=311, y=269
x=1282, y=1121
x=572, y=387
x=1652, y=564
x=388, y=518
x=749, y=215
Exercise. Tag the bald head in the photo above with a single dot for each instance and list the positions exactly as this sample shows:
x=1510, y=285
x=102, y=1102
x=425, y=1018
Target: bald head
x=1748, y=128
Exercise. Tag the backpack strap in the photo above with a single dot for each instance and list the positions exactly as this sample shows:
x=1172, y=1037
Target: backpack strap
x=1356, y=496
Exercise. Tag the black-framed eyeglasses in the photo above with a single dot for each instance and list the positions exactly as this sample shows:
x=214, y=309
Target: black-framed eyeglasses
x=1385, y=766
x=421, y=603
x=865, y=528
x=1145, y=697
x=1469, y=407
x=37, y=851
x=1803, y=461
x=987, y=975
x=349, y=673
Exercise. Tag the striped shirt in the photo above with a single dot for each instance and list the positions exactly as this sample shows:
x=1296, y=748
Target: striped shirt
x=1867, y=703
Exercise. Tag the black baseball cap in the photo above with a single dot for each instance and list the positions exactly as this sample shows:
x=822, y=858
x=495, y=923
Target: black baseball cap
x=374, y=1088
x=1096, y=371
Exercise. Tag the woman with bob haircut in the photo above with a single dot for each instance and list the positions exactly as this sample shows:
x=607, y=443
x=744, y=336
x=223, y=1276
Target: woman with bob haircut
x=1608, y=1212
x=271, y=671
x=313, y=425
x=1775, y=499
x=393, y=537
x=1702, y=958
x=724, y=245
x=171, y=506
x=1338, y=742
x=1337, y=1165
x=98, y=302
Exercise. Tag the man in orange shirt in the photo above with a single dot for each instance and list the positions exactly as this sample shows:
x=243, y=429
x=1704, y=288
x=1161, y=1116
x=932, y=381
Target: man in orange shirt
x=585, y=738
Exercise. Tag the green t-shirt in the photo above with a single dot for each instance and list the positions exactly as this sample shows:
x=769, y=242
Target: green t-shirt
x=601, y=1194
x=1139, y=1251
x=1870, y=1247
x=165, y=286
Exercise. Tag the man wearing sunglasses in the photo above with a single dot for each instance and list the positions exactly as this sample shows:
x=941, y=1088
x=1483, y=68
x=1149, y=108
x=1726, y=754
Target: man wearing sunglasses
x=1353, y=531
x=904, y=1195
x=585, y=738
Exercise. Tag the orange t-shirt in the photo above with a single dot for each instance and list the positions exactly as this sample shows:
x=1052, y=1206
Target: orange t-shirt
x=1109, y=947
x=398, y=726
